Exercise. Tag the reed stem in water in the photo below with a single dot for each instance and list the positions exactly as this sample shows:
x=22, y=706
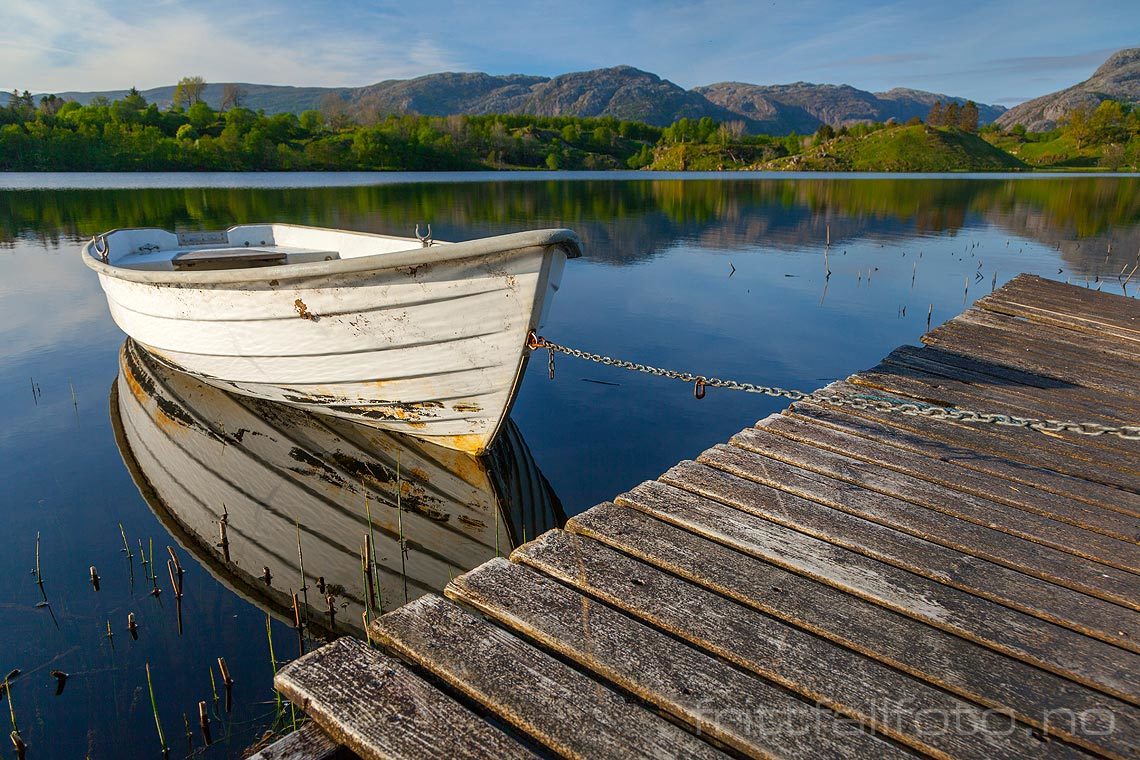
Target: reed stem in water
x=272, y=657
x=154, y=708
x=400, y=519
x=11, y=706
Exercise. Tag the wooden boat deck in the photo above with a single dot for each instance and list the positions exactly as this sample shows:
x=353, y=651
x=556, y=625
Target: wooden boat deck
x=829, y=583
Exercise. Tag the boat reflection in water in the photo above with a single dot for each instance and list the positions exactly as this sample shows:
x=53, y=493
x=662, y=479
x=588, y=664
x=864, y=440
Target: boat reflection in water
x=239, y=481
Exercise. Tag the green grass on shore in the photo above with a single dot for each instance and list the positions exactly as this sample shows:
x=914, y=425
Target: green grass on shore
x=903, y=149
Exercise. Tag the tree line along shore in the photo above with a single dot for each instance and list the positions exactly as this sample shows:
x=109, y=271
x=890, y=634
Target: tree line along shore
x=130, y=134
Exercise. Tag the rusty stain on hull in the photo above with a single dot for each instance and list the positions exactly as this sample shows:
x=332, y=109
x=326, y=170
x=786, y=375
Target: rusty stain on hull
x=470, y=443
x=142, y=385
x=303, y=310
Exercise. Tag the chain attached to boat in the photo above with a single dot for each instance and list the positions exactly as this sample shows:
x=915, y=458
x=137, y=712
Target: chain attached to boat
x=866, y=402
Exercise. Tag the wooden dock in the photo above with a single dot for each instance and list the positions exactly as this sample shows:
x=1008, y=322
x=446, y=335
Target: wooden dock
x=829, y=583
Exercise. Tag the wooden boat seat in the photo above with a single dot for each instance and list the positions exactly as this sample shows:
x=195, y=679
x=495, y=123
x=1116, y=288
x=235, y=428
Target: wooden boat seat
x=229, y=258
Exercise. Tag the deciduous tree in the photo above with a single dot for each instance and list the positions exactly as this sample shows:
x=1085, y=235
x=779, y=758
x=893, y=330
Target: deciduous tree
x=1106, y=125
x=188, y=91
x=335, y=111
x=1078, y=125
x=312, y=121
x=1113, y=157
x=233, y=96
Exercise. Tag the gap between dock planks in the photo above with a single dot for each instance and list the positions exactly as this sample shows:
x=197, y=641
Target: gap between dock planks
x=832, y=582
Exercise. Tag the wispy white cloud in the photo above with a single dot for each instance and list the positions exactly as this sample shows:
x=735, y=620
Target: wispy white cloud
x=1034, y=64
x=97, y=44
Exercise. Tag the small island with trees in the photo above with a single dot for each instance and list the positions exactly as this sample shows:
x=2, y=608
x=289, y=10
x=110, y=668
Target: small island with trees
x=131, y=134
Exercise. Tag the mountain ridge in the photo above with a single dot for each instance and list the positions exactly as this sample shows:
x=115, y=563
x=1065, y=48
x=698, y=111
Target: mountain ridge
x=623, y=92
x=1118, y=78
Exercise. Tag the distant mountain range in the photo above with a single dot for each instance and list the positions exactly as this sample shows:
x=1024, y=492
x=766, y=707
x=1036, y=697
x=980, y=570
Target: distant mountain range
x=1118, y=78
x=622, y=91
x=628, y=93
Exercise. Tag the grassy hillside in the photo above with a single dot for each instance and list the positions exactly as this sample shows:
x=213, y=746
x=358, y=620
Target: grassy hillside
x=699, y=157
x=915, y=148
x=1058, y=151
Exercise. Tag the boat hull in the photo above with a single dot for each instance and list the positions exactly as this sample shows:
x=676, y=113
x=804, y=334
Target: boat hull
x=435, y=349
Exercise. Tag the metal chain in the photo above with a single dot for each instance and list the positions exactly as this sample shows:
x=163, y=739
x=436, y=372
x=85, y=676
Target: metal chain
x=867, y=402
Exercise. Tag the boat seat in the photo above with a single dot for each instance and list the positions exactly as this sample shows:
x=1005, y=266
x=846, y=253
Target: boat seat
x=228, y=258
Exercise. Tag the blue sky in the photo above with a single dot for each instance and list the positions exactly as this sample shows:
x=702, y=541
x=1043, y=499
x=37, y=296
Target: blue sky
x=994, y=52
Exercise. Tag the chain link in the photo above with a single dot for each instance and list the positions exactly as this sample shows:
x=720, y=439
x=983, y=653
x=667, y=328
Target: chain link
x=866, y=402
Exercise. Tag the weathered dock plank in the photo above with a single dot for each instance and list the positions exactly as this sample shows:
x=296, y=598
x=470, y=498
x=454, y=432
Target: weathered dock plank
x=565, y=710
x=308, y=742
x=720, y=476
x=1015, y=444
x=374, y=705
x=1121, y=354
x=746, y=713
x=859, y=687
x=1043, y=301
x=869, y=478
x=956, y=664
x=899, y=380
x=1048, y=645
x=952, y=476
x=1040, y=391
x=971, y=450
x=833, y=582
x=1032, y=352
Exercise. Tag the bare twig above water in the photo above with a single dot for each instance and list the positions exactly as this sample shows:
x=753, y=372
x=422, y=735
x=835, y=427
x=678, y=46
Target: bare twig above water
x=227, y=681
x=204, y=722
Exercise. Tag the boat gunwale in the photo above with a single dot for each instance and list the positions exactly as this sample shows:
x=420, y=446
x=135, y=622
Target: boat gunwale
x=412, y=257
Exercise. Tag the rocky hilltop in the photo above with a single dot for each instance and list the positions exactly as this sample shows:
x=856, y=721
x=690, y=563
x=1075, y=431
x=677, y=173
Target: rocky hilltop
x=803, y=106
x=1118, y=78
x=622, y=92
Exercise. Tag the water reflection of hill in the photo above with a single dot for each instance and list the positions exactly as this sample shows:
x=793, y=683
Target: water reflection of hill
x=1095, y=226
x=624, y=222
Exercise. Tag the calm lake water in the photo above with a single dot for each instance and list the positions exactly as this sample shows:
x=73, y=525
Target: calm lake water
x=719, y=276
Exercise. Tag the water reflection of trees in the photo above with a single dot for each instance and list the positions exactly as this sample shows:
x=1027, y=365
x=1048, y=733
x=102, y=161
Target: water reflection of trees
x=621, y=221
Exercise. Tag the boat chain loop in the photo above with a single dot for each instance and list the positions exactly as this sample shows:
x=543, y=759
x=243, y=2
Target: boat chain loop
x=867, y=402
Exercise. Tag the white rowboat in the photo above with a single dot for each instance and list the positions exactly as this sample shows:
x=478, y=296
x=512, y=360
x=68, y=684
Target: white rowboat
x=404, y=334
